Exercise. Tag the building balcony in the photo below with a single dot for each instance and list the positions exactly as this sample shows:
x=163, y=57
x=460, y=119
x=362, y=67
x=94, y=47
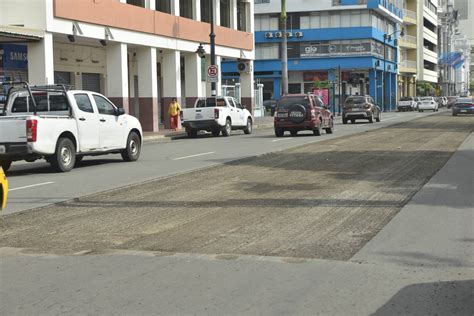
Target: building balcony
x=408, y=41
x=430, y=56
x=409, y=17
x=408, y=66
x=430, y=36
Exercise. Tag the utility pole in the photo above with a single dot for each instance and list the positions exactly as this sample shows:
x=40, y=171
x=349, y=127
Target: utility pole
x=284, y=49
x=212, y=37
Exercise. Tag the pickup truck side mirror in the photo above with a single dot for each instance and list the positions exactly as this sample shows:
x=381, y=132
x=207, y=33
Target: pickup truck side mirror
x=120, y=111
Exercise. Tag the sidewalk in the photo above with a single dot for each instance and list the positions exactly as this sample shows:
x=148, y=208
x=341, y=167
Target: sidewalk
x=168, y=134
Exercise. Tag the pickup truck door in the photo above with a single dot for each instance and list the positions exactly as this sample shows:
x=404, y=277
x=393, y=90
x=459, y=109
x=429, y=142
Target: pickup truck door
x=87, y=123
x=111, y=129
x=234, y=113
x=241, y=112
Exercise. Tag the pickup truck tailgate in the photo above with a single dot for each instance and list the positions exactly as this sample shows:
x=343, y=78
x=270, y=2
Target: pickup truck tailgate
x=13, y=129
x=198, y=114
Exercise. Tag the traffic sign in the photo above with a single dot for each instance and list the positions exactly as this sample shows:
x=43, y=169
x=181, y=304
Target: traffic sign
x=213, y=73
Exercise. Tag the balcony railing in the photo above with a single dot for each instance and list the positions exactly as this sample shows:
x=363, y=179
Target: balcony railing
x=408, y=64
x=409, y=39
x=339, y=2
x=410, y=14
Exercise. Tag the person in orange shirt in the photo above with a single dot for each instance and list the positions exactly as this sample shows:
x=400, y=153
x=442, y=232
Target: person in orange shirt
x=174, y=111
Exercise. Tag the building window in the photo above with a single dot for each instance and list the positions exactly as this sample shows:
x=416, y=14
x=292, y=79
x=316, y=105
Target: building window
x=225, y=13
x=242, y=21
x=186, y=9
x=206, y=6
x=163, y=6
x=267, y=51
x=266, y=23
x=294, y=88
x=138, y=3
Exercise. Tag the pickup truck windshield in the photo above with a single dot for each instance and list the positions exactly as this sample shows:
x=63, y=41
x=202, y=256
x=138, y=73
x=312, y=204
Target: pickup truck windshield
x=211, y=102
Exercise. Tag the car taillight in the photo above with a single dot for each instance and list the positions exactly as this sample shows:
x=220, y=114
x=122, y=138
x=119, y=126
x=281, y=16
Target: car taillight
x=216, y=113
x=31, y=130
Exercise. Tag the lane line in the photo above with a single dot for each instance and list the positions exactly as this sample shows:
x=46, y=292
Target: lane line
x=30, y=186
x=279, y=140
x=197, y=155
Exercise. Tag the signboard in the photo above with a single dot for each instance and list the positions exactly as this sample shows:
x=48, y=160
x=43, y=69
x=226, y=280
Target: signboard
x=357, y=48
x=213, y=73
x=323, y=94
x=15, y=56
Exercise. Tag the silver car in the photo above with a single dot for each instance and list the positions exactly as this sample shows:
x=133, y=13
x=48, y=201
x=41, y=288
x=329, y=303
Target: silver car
x=428, y=103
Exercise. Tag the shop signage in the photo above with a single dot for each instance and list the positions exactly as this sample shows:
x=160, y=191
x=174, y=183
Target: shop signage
x=15, y=56
x=310, y=50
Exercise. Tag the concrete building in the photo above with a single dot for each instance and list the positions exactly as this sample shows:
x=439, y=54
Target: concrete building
x=409, y=57
x=466, y=27
x=428, y=41
x=341, y=41
x=448, y=22
x=139, y=53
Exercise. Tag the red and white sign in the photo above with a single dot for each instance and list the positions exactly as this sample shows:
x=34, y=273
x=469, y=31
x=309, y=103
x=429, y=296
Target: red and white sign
x=324, y=94
x=213, y=73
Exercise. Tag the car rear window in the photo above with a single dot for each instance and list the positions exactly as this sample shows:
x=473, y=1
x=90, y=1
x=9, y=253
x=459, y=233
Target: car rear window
x=355, y=100
x=465, y=101
x=210, y=103
x=427, y=99
x=287, y=102
x=406, y=99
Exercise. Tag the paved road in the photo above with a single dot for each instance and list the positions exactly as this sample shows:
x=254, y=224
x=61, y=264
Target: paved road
x=34, y=184
x=421, y=263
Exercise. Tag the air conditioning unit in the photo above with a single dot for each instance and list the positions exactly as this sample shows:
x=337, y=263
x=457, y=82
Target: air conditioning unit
x=278, y=35
x=299, y=34
x=269, y=35
x=244, y=66
x=289, y=34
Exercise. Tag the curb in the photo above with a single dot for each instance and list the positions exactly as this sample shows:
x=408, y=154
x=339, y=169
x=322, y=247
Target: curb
x=170, y=137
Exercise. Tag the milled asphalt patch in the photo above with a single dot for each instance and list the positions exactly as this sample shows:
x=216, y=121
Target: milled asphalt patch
x=323, y=200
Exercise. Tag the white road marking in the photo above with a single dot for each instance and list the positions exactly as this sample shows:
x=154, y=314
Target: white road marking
x=281, y=139
x=197, y=155
x=30, y=186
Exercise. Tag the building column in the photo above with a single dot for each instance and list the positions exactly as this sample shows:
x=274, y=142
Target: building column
x=117, y=75
x=175, y=7
x=171, y=73
x=276, y=88
x=147, y=89
x=217, y=12
x=388, y=91
x=41, y=61
x=233, y=14
x=247, y=89
x=379, y=88
x=373, y=82
x=193, y=79
x=197, y=10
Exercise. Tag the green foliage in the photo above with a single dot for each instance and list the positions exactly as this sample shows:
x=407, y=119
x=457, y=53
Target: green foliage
x=471, y=86
x=322, y=84
x=425, y=89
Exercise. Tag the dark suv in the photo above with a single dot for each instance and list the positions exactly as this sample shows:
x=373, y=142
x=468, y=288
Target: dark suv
x=299, y=112
x=360, y=107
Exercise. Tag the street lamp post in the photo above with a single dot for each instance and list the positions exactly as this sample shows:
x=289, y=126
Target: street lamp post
x=284, y=50
x=212, y=37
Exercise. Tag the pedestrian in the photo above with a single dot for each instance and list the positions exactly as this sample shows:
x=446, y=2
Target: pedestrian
x=174, y=111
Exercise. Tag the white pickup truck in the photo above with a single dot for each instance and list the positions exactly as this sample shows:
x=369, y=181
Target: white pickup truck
x=62, y=126
x=216, y=115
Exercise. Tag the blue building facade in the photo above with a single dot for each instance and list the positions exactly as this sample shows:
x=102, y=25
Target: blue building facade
x=349, y=44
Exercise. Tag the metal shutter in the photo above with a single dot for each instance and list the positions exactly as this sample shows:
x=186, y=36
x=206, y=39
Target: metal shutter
x=91, y=82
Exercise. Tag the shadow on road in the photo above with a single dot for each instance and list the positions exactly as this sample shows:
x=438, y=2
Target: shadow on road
x=438, y=298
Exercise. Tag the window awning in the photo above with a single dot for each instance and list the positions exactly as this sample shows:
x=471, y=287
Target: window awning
x=17, y=34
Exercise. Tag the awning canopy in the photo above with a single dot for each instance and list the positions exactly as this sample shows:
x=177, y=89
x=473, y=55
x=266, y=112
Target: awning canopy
x=17, y=34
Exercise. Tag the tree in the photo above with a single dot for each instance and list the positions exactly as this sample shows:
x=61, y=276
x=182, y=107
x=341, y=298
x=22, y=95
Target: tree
x=322, y=84
x=471, y=86
x=425, y=88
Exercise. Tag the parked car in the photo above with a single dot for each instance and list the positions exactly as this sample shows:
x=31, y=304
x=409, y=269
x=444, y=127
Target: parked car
x=442, y=101
x=428, y=103
x=3, y=189
x=451, y=101
x=406, y=104
x=270, y=106
x=216, y=115
x=360, y=107
x=62, y=126
x=299, y=112
x=463, y=106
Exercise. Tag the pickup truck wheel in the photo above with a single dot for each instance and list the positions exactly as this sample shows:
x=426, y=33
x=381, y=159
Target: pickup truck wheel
x=5, y=164
x=317, y=130
x=215, y=132
x=378, y=118
x=133, y=149
x=64, y=158
x=227, y=128
x=248, y=128
x=344, y=121
x=371, y=119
